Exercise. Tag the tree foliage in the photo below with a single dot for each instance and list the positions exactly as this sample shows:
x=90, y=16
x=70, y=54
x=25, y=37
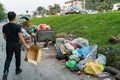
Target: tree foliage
x=2, y=13
x=100, y=4
x=34, y=13
x=41, y=10
x=54, y=9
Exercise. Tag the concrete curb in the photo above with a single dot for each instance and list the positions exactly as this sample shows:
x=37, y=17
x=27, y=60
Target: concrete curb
x=114, y=71
x=117, y=77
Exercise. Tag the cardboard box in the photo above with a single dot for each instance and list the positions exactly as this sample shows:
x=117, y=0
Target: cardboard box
x=33, y=55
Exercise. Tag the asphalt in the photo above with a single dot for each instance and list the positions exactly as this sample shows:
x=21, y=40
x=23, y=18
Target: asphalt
x=48, y=69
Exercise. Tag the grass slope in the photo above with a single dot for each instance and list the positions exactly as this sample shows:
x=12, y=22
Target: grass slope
x=96, y=28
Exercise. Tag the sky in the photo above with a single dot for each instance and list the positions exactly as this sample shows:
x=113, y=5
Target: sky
x=21, y=6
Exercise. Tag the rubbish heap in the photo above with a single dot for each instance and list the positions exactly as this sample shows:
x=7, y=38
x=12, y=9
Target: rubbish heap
x=80, y=56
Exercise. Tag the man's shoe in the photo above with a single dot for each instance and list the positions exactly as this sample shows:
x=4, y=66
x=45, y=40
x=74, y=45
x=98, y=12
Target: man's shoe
x=18, y=71
x=4, y=76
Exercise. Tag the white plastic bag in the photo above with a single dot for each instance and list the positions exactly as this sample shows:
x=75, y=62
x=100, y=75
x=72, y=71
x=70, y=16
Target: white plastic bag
x=59, y=42
x=101, y=59
x=81, y=42
x=69, y=47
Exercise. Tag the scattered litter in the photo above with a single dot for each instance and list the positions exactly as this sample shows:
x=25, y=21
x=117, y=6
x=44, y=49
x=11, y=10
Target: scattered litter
x=46, y=48
x=80, y=72
x=63, y=67
x=88, y=76
x=107, y=79
x=103, y=74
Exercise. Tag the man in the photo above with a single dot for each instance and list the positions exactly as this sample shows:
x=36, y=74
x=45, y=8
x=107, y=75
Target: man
x=25, y=24
x=12, y=34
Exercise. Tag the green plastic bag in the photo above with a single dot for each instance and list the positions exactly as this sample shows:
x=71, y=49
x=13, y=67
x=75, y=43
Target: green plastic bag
x=71, y=64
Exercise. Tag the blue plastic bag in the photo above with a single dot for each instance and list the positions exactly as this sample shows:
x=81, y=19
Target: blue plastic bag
x=83, y=52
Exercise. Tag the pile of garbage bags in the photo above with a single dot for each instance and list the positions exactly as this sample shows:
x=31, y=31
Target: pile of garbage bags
x=80, y=56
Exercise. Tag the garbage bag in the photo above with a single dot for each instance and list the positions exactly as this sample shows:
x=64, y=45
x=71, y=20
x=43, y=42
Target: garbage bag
x=59, y=42
x=44, y=27
x=69, y=47
x=101, y=59
x=74, y=44
x=71, y=64
x=81, y=42
x=74, y=57
x=75, y=69
x=93, y=68
x=81, y=65
x=83, y=52
x=92, y=55
x=65, y=51
x=59, y=55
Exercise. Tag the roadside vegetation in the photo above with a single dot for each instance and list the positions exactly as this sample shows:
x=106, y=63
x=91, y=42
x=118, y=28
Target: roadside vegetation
x=96, y=28
x=2, y=13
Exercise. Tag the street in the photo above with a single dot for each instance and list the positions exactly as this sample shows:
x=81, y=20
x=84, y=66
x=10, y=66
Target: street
x=48, y=69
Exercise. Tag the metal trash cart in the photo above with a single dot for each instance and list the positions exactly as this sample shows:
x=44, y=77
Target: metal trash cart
x=45, y=35
x=42, y=35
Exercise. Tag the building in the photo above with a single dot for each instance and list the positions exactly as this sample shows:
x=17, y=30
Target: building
x=72, y=3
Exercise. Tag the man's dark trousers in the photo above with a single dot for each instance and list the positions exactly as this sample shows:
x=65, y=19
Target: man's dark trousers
x=10, y=49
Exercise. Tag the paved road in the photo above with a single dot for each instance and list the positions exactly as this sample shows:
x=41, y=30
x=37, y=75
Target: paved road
x=48, y=69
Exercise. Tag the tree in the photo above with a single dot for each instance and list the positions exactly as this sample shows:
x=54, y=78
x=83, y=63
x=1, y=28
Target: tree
x=100, y=4
x=91, y=4
x=101, y=0
x=53, y=10
x=50, y=11
x=41, y=10
x=2, y=13
x=57, y=8
x=35, y=13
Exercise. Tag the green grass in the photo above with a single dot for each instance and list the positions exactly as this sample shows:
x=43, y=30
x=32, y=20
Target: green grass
x=96, y=28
